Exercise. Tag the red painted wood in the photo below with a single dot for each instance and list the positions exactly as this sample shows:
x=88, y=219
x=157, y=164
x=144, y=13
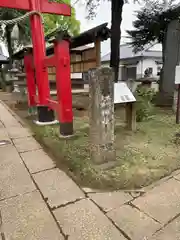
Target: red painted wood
x=53, y=104
x=30, y=80
x=63, y=81
x=19, y=4
x=44, y=7
x=37, y=33
x=50, y=61
x=55, y=8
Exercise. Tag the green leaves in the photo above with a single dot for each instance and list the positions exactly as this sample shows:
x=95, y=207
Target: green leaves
x=55, y=21
x=9, y=14
x=151, y=23
x=144, y=106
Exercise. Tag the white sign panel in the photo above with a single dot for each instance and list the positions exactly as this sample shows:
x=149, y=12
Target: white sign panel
x=122, y=94
x=177, y=75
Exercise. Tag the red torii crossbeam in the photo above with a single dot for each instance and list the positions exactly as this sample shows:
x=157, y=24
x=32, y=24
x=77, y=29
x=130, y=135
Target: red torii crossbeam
x=39, y=51
x=43, y=6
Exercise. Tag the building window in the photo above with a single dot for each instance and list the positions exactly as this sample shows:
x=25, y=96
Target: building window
x=148, y=72
x=131, y=73
x=159, y=70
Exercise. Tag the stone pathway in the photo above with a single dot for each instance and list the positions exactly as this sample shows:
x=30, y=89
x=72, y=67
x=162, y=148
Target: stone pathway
x=40, y=202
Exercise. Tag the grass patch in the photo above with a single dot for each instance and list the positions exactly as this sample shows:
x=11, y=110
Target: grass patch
x=142, y=157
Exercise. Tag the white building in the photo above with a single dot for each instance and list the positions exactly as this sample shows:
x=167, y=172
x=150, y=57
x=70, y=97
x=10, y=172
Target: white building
x=4, y=50
x=132, y=66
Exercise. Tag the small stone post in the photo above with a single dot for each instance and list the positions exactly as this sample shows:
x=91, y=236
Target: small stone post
x=101, y=91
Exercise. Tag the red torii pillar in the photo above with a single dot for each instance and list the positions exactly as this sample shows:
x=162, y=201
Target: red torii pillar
x=30, y=81
x=61, y=61
x=39, y=51
x=63, y=72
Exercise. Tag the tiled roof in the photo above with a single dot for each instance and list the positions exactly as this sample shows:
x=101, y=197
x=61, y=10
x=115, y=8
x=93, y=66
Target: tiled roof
x=126, y=52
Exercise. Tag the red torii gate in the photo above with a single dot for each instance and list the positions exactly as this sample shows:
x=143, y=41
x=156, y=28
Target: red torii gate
x=45, y=114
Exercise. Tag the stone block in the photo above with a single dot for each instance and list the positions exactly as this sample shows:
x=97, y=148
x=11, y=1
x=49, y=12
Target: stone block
x=135, y=224
x=101, y=98
x=162, y=202
x=37, y=161
x=57, y=187
x=27, y=217
x=110, y=200
x=26, y=144
x=84, y=221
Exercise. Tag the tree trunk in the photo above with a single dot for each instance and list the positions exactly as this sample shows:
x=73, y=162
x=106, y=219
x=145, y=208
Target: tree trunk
x=116, y=16
x=171, y=58
x=9, y=45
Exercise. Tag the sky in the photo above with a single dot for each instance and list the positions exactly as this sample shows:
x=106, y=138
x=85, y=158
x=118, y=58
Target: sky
x=104, y=15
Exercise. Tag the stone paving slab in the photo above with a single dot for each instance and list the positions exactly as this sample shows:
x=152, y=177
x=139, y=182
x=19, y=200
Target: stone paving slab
x=110, y=200
x=11, y=123
x=37, y=161
x=170, y=232
x=26, y=144
x=14, y=177
x=7, y=118
x=19, y=132
x=57, y=187
x=28, y=218
x=4, y=135
x=177, y=177
x=137, y=225
x=84, y=221
x=162, y=202
x=1, y=125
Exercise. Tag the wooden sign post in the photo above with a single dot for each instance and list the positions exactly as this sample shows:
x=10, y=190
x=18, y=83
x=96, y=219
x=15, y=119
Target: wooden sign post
x=122, y=94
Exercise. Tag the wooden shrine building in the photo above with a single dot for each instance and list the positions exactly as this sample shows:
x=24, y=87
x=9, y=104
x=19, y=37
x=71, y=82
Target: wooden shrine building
x=85, y=52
